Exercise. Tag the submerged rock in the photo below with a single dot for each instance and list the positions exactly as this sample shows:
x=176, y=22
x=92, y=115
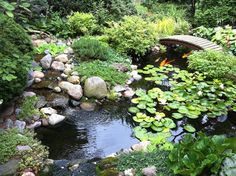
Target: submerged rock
x=95, y=87
x=55, y=119
x=46, y=61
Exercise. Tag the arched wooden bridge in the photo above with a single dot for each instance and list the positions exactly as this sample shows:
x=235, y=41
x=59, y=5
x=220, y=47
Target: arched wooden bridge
x=195, y=43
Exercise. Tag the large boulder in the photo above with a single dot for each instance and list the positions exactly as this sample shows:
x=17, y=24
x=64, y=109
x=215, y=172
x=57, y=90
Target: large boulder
x=95, y=87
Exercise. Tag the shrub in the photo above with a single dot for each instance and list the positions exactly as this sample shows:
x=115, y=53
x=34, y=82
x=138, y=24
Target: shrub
x=194, y=154
x=88, y=48
x=166, y=27
x=82, y=23
x=212, y=13
x=215, y=64
x=28, y=108
x=30, y=159
x=15, y=58
x=132, y=35
x=103, y=70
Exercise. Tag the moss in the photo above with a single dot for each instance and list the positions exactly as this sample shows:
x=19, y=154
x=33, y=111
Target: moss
x=109, y=172
x=106, y=163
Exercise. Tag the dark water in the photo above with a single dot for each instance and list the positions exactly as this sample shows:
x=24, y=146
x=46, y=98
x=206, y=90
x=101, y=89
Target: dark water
x=87, y=135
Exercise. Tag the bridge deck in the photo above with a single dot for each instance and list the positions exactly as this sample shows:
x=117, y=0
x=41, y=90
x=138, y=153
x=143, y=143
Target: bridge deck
x=192, y=42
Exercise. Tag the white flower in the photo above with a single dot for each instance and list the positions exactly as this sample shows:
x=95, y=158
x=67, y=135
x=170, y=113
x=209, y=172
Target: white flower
x=162, y=101
x=200, y=93
x=222, y=86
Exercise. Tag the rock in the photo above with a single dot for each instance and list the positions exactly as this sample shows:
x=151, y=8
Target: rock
x=48, y=111
x=57, y=89
x=129, y=172
x=41, y=102
x=68, y=50
x=129, y=93
x=67, y=71
x=137, y=77
x=38, y=42
x=37, y=80
x=60, y=101
x=20, y=125
x=46, y=61
x=149, y=171
x=74, y=79
x=64, y=85
x=8, y=111
x=28, y=94
x=38, y=74
x=70, y=112
x=119, y=88
x=45, y=122
x=75, y=92
x=56, y=65
x=55, y=119
x=130, y=81
x=87, y=106
x=63, y=75
x=142, y=146
x=28, y=174
x=120, y=67
x=74, y=103
x=134, y=67
x=75, y=73
x=34, y=125
x=9, y=123
x=30, y=82
x=95, y=87
x=9, y=168
x=23, y=148
x=62, y=58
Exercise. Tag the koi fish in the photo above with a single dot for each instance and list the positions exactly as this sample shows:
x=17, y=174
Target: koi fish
x=165, y=62
x=186, y=55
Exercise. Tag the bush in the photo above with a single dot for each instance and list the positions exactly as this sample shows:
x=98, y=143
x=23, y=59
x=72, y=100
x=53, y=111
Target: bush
x=88, y=48
x=166, y=27
x=215, y=64
x=82, y=23
x=30, y=159
x=194, y=154
x=15, y=58
x=103, y=70
x=212, y=13
x=132, y=35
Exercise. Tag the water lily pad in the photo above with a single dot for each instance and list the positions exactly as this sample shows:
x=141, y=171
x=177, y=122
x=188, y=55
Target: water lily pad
x=140, y=92
x=136, y=119
x=168, y=123
x=133, y=110
x=177, y=116
x=189, y=128
x=135, y=100
x=157, y=124
x=158, y=129
x=151, y=110
x=174, y=105
x=183, y=110
x=149, y=119
x=141, y=106
x=145, y=124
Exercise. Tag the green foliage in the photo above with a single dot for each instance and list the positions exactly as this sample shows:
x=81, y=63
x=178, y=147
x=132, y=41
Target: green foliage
x=214, y=64
x=132, y=35
x=226, y=37
x=52, y=48
x=213, y=13
x=82, y=23
x=140, y=160
x=194, y=154
x=15, y=58
x=89, y=48
x=190, y=94
x=166, y=26
x=31, y=159
x=103, y=70
x=28, y=108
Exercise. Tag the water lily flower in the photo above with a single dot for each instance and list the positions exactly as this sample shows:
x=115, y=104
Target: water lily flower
x=162, y=101
x=222, y=86
x=200, y=93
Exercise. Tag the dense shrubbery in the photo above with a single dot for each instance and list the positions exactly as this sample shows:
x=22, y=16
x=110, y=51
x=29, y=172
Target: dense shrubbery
x=82, y=23
x=14, y=58
x=88, y=48
x=214, y=64
x=30, y=159
x=132, y=35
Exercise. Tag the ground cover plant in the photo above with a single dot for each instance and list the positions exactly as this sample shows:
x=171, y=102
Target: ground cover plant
x=51, y=48
x=29, y=159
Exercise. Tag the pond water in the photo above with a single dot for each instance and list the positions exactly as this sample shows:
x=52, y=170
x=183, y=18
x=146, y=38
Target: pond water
x=108, y=129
